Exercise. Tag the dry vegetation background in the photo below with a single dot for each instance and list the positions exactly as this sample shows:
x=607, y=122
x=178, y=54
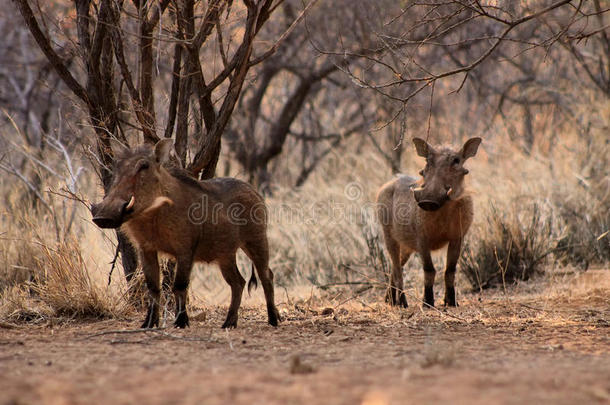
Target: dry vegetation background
x=319, y=126
x=536, y=214
x=540, y=182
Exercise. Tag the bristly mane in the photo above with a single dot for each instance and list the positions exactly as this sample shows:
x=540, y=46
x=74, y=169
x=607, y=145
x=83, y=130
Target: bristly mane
x=146, y=151
x=184, y=176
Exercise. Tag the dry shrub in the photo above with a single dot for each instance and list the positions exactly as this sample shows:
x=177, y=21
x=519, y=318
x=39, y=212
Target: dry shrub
x=17, y=264
x=61, y=287
x=43, y=277
x=512, y=246
x=549, y=207
x=584, y=208
x=586, y=239
x=65, y=285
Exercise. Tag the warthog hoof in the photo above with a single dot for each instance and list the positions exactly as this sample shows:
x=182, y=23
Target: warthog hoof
x=396, y=297
x=274, y=316
x=151, y=320
x=450, y=297
x=231, y=321
x=428, y=297
x=182, y=320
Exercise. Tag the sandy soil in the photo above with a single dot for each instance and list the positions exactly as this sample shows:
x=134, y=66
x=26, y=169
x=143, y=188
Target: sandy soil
x=492, y=349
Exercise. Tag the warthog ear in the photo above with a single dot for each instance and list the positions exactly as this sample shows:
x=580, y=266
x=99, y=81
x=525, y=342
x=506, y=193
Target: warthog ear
x=422, y=147
x=470, y=148
x=163, y=149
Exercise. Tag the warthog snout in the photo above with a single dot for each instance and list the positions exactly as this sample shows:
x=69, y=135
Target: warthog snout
x=428, y=202
x=428, y=205
x=111, y=213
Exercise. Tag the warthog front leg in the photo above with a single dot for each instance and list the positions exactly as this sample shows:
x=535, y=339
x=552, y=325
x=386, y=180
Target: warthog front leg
x=453, y=254
x=150, y=267
x=429, y=275
x=181, y=283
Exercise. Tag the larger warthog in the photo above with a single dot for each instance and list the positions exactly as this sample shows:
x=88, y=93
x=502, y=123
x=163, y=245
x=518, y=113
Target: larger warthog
x=164, y=211
x=427, y=216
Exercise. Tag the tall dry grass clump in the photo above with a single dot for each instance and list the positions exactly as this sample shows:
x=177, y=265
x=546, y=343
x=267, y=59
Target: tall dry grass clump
x=61, y=283
x=50, y=270
x=65, y=285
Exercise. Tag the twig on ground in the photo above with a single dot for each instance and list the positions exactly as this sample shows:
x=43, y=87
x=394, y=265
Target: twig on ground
x=6, y=325
x=123, y=332
x=186, y=338
x=534, y=308
x=157, y=331
x=363, y=283
x=372, y=284
x=128, y=342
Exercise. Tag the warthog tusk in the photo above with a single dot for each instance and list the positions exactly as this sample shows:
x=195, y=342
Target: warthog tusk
x=131, y=203
x=449, y=192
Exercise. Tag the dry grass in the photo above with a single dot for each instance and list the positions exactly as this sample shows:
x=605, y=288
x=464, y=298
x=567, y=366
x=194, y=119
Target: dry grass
x=67, y=287
x=45, y=278
x=62, y=287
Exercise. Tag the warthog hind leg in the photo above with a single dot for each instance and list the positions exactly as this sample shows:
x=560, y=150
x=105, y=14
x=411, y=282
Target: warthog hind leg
x=182, y=318
x=181, y=283
x=230, y=272
x=150, y=267
x=258, y=252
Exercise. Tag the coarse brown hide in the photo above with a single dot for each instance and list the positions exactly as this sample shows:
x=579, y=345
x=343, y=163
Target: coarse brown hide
x=165, y=211
x=426, y=216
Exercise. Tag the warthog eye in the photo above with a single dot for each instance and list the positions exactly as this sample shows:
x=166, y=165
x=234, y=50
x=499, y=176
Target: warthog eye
x=456, y=161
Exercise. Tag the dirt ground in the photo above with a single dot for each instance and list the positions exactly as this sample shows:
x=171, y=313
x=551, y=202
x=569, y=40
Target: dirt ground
x=495, y=348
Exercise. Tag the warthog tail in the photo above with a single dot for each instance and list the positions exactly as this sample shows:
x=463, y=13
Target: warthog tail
x=253, y=283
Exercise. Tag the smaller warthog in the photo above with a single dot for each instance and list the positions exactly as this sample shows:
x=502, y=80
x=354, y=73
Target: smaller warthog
x=164, y=211
x=427, y=216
